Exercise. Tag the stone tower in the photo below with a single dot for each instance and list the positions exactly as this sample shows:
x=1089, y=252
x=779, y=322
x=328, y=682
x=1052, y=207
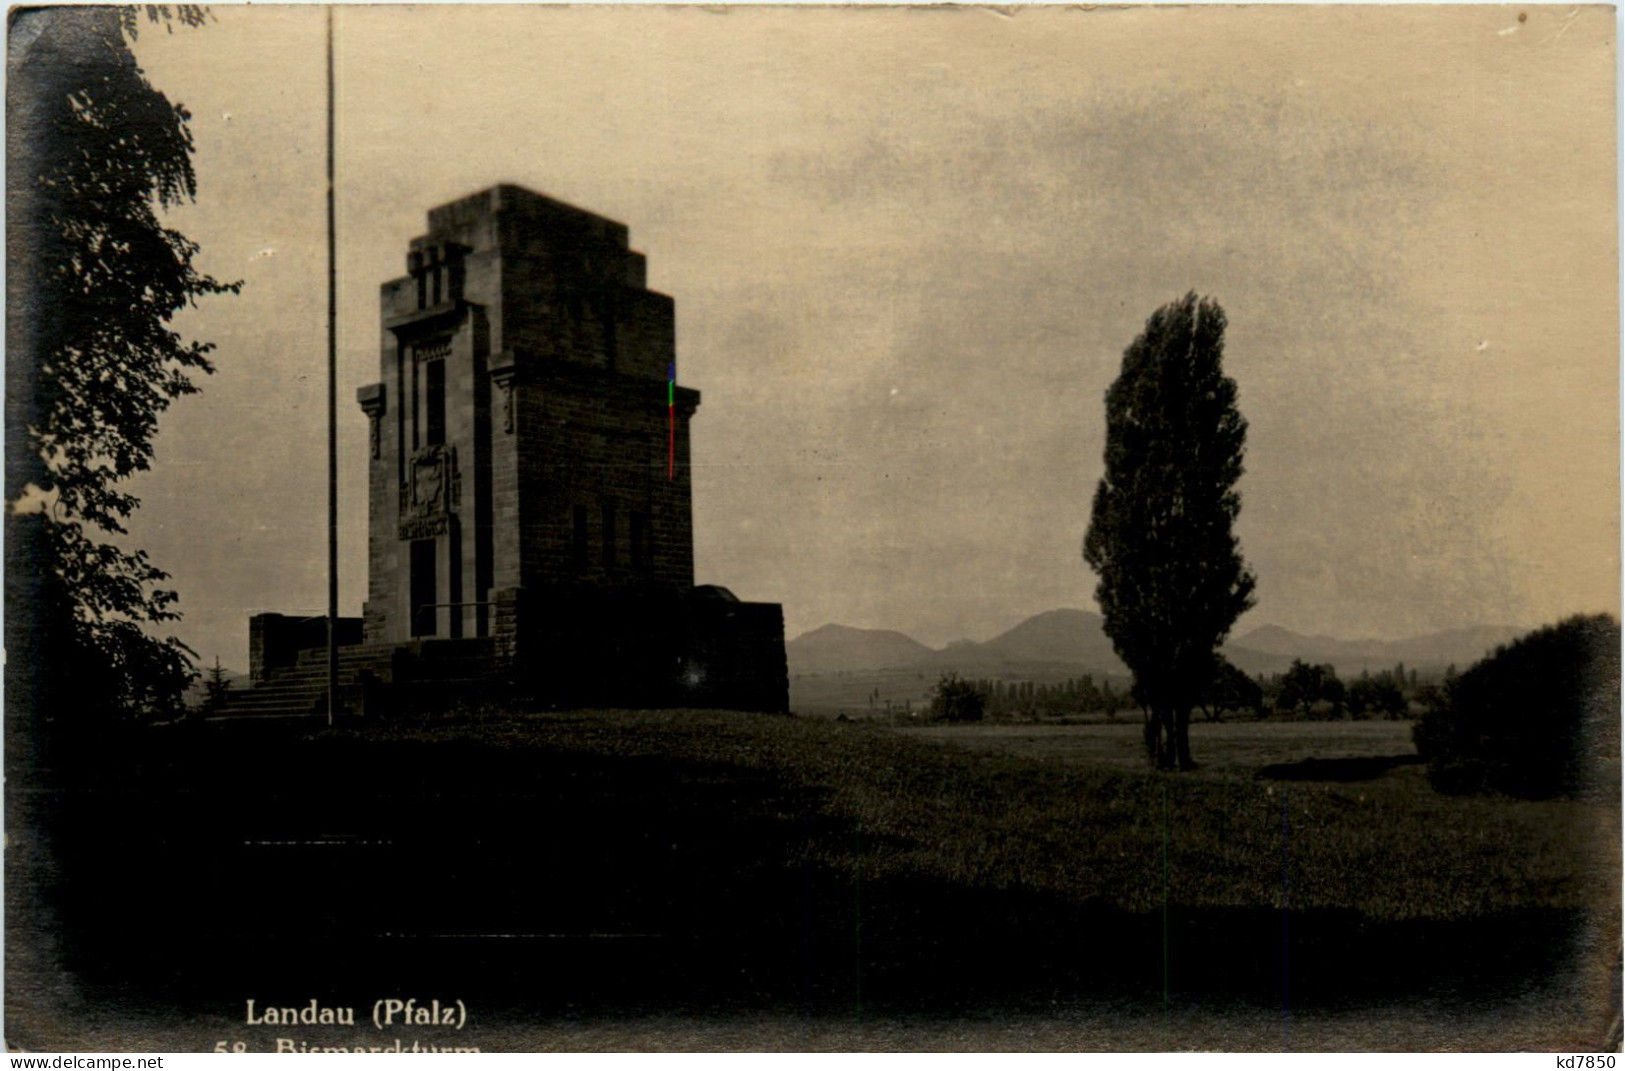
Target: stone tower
x=529, y=466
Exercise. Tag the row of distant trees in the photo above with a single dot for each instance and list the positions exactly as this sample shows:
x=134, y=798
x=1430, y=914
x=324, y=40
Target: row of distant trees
x=1305, y=690
x=1075, y=695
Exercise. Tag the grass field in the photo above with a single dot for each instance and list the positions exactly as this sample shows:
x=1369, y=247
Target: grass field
x=1225, y=747
x=720, y=868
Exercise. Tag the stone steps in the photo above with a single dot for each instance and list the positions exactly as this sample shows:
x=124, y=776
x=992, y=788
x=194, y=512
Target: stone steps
x=441, y=666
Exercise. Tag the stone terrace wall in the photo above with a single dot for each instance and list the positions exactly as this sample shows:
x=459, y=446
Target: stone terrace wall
x=650, y=651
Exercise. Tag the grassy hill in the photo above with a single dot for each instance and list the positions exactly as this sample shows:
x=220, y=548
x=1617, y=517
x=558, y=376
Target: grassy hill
x=617, y=864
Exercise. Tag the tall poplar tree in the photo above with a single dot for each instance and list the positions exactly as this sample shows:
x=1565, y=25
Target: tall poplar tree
x=1171, y=577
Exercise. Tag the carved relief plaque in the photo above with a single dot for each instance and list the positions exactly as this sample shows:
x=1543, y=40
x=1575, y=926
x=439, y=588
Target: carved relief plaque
x=429, y=495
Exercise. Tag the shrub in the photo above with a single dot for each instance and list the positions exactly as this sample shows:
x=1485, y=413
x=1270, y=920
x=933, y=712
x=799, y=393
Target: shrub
x=1431, y=733
x=1532, y=719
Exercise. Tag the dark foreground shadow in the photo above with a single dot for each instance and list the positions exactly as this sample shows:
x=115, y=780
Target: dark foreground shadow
x=561, y=883
x=1362, y=768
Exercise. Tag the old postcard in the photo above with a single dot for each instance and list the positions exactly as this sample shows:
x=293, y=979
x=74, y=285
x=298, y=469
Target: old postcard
x=857, y=528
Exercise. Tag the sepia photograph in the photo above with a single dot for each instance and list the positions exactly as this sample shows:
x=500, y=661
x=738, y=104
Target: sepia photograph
x=812, y=528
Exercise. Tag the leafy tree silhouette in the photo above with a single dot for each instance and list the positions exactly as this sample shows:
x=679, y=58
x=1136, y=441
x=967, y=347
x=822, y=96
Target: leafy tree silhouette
x=95, y=153
x=1303, y=685
x=1231, y=689
x=1376, y=695
x=956, y=699
x=1160, y=540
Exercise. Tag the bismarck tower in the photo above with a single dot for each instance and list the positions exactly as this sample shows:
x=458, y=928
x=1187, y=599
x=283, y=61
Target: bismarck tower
x=530, y=466
x=522, y=429
x=529, y=477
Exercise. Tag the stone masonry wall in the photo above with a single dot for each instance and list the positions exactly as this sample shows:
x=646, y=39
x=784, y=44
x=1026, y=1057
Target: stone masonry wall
x=594, y=462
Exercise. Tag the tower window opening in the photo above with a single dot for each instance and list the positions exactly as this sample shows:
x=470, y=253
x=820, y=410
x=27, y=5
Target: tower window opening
x=436, y=402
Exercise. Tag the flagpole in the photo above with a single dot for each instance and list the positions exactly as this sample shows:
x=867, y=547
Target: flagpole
x=332, y=408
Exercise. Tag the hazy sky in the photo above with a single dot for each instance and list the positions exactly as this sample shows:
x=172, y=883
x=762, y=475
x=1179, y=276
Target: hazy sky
x=908, y=248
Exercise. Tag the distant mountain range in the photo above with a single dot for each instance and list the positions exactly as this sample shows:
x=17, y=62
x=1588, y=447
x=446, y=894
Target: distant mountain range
x=1435, y=650
x=1056, y=636
x=834, y=648
x=1075, y=638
